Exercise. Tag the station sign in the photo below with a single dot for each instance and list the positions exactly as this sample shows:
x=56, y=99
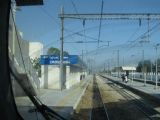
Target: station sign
x=55, y=59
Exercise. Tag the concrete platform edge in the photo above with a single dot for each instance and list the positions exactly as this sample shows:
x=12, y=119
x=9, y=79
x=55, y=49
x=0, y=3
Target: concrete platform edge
x=76, y=104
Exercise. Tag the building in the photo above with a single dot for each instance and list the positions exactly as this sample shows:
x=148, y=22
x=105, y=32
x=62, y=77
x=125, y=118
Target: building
x=72, y=74
x=35, y=49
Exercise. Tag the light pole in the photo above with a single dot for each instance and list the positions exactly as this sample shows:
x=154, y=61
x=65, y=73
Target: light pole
x=132, y=68
x=117, y=67
x=61, y=50
x=104, y=67
x=143, y=63
x=151, y=71
x=156, y=67
x=108, y=66
x=143, y=68
x=123, y=60
x=156, y=64
x=118, y=61
x=82, y=65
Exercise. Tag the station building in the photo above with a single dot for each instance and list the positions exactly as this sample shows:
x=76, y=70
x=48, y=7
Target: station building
x=128, y=69
x=72, y=74
x=22, y=52
x=124, y=70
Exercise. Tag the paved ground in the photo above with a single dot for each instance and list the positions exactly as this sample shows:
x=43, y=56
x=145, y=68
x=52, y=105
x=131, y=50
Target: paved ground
x=64, y=102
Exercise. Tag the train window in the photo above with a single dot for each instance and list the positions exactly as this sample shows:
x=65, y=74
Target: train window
x=92, y=59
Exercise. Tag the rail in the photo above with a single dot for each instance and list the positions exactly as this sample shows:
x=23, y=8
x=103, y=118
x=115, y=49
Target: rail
x=103, y=109
x=148, y=111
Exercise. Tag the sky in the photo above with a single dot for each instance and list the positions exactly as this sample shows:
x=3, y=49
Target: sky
x=42, y=24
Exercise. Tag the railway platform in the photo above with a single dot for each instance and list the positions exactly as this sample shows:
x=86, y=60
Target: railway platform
x=63, y=102
x=142, y=88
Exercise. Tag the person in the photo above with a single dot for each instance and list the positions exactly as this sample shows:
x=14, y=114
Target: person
x=123, y=77
x=126, y=79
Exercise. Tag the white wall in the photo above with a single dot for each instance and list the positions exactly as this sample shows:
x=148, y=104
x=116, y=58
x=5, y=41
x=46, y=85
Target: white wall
x=35, y=49
x=53, y=77
x=73, y=75
x=72, y=79
x=50, y=77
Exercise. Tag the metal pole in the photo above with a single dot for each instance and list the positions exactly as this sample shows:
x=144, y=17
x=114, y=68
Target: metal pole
x=151, y=70
x=132, y=76
x=143, y=65
x=108, y=67
x=61, y=49
x=118, y=61
x=156, y=67
x=82, y=64
x=123, y=60
x=148, y=28
x=144, y=79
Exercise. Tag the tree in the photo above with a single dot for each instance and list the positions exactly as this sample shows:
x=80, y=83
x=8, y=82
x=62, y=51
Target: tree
x=65, y=53
x=158, y=66
x=51, y=51
x=37, y=65
x=147, y=66
x=55, y=51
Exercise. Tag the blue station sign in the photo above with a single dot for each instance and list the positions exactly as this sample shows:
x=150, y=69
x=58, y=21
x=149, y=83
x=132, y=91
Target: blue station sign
x=55, y=60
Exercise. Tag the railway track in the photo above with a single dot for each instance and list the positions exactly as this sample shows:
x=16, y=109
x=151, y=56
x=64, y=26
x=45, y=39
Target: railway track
x=99, y=110
x=147, y=110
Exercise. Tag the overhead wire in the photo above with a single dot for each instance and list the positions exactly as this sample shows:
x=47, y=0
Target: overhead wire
x=49, y=44
x=78, y=33
x=151, y=30
x=100, y=24
x=133, y=34
x=52, y=18
x=144, y=34
x=67, y=30
x=75, y=8
x=76, y=12
x=49, y=15
x=86, y=29
x=83, y=22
